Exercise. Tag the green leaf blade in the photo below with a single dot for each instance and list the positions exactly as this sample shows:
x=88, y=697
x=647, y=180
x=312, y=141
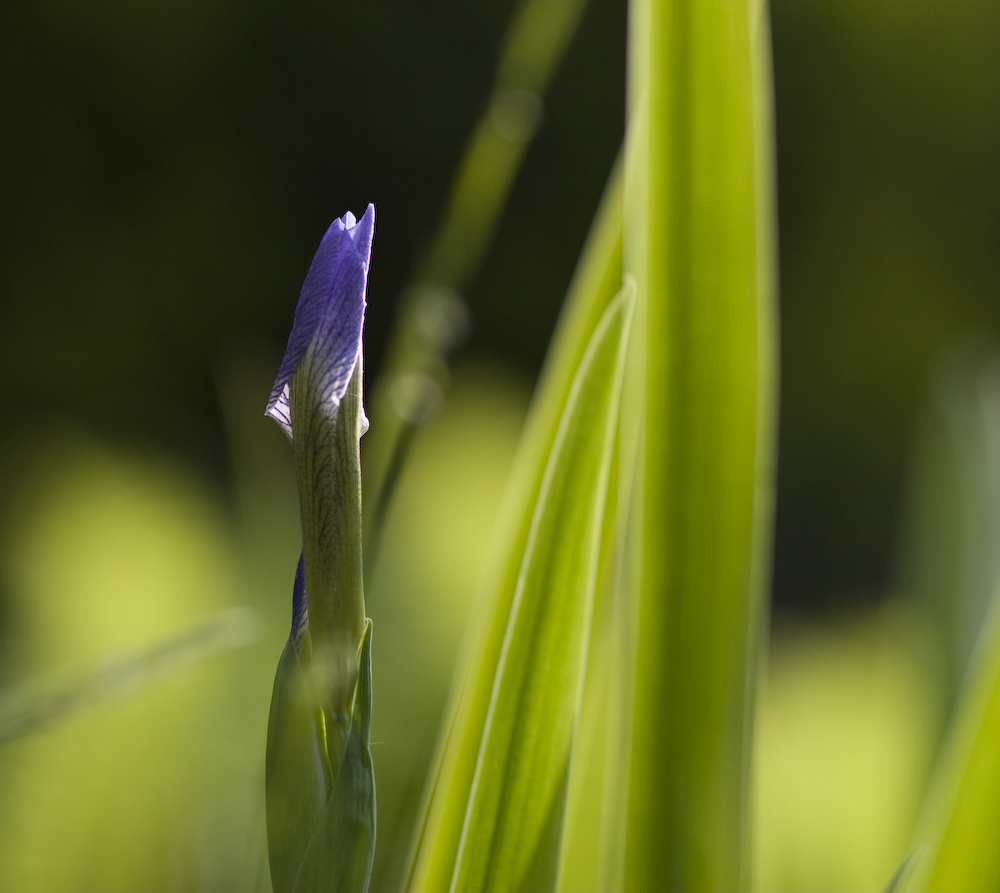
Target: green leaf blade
x=699, y=421
x=595, y=283
x=513, y=825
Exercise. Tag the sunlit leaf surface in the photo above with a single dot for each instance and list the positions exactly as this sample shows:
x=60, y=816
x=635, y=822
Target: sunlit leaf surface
x=699, y=419
x=513, y=825
x=597, y=279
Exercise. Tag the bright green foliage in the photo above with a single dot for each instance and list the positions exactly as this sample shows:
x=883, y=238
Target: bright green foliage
x=699, y=420
x=693, y=506
x=597, y=279
x=513, y=825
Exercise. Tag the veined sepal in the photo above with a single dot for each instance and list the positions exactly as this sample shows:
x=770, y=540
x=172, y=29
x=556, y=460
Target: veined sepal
x=328, y=470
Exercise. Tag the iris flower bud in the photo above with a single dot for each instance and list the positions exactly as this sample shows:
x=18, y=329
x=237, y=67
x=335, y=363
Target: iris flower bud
x=320, y=781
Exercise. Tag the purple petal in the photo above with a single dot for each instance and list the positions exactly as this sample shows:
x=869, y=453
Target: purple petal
x=300, y=609
x=330, y=314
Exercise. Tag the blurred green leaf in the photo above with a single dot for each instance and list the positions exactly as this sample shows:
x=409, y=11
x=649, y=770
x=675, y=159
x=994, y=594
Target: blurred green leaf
x=897, y=881
x=433, y=317
x=597, y=279
x=957, y=834
x=117, y=553
x=513, y=825
x=951, y=559
x=31, y=706
x=698, y=429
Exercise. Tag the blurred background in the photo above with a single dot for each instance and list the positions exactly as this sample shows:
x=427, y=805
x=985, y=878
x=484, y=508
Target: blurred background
x=166, y=172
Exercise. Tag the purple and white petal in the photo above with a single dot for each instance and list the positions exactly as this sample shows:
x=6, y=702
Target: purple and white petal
x=329, y=315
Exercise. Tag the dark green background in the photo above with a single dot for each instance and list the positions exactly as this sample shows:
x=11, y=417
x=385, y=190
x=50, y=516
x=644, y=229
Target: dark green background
x=167, y=171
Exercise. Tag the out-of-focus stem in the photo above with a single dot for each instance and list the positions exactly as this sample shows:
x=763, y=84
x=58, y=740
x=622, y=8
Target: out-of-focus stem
x=432, y=317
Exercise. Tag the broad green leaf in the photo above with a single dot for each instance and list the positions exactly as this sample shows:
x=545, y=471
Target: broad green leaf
x=597, y=279
x=513, y=824
x=697, y=441
x=956, y=841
